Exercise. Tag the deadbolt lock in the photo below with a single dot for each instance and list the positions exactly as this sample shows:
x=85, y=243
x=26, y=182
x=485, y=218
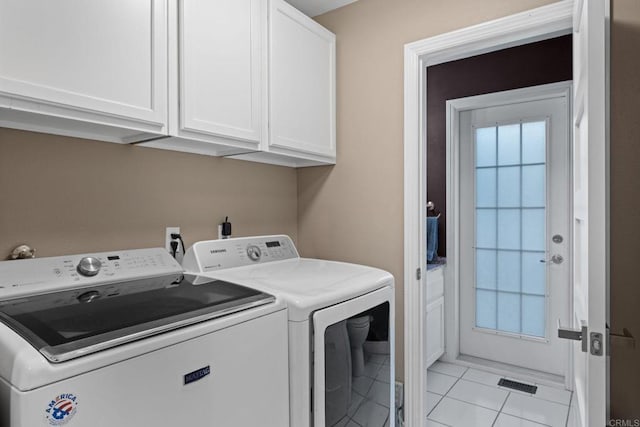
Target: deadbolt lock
x=596, y=343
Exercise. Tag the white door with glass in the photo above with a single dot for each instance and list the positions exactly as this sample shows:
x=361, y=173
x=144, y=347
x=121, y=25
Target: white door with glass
x=515, y=242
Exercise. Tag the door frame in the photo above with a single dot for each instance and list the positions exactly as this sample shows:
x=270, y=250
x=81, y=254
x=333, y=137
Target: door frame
x=538, y=24
x=454, y=108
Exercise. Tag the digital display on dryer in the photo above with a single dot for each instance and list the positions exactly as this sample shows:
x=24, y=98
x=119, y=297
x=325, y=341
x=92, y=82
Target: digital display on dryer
x=273, y=244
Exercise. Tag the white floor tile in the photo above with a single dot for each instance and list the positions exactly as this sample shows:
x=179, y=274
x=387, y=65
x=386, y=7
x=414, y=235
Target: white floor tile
x=380, y=393
x=356, y=400
x=456, y=413
x=384, y=374
x=377, y=358
x=553, y=394
x=482, y=377
x=439, y=383
x=371, y=414
x=431, y=423
x=478, y=394
x=342, y=423
x=541, y=411
x=505, y=420
x=448, y=369
x=362, y=384
x=371, y=369
x=432, y=401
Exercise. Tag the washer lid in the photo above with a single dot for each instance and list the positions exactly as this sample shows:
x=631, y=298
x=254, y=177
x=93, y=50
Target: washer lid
x=69, y=324
x=308, y=285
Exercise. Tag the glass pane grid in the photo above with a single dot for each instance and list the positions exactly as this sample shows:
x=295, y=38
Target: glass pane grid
x=510, y=215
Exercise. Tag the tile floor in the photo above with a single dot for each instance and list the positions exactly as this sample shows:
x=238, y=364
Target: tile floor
x=460, y=396
x=369, y=396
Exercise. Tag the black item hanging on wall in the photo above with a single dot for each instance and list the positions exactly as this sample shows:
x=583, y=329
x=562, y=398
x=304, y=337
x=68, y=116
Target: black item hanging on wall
x=226, y=228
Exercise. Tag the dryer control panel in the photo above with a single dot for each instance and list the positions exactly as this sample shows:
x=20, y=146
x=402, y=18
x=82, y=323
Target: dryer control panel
x=215, y=255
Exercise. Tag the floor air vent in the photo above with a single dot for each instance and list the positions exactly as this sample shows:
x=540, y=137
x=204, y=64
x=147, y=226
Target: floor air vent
x=527, y=388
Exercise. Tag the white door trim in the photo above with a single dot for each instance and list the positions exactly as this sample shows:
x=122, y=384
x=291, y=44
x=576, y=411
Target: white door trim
x=530, y=26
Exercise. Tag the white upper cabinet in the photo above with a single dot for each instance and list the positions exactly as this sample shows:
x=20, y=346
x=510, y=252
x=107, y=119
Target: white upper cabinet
x=84, y=68
x=255, y=80
x=249, y=79
x=216, y=73
x=301, y=85
x=301, y=81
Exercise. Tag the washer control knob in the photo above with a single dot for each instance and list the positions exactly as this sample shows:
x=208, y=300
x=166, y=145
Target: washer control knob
x=254, y=252
x=89, y=266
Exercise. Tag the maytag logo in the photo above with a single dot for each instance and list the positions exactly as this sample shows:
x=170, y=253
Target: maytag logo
x=197, y=375
x=217, y=251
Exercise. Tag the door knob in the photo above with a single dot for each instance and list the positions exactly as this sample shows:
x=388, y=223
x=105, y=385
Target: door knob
x=555, y=259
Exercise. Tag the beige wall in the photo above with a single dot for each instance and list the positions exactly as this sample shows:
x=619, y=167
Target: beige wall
x=354, y=210
x=67, y=195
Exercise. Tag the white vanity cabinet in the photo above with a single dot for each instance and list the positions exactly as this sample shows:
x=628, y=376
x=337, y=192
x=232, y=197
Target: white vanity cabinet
x=217, y=70
x=435, y=314
x=94, y=69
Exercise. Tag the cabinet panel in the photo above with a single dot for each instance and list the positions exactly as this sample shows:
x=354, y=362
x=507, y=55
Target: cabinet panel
x=101, y=56
x=302, y=82
x=435, y=331
x=435, y=284
x=220, y=60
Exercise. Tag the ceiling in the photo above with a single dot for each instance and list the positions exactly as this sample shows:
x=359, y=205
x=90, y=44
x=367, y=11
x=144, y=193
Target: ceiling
x=318, y=7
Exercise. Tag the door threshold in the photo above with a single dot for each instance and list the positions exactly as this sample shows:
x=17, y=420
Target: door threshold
x=507, y=370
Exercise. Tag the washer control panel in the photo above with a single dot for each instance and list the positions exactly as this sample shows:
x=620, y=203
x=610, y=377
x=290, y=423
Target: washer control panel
x=215, y=255
x=42, y=275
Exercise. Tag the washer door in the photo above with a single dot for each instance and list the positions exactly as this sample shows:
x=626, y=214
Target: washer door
x=353, y=362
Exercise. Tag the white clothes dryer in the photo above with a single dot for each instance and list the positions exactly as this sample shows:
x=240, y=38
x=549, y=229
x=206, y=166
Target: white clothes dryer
x=126, y=339
x=332, y=308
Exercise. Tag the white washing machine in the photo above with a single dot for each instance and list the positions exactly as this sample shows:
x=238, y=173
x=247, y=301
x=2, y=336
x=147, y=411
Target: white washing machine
x=125, y=339
x=341, y=326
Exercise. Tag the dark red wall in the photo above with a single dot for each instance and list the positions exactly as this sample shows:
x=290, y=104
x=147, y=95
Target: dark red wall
x=534, y=64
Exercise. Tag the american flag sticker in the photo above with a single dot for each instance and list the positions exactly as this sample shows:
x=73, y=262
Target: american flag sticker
x=61, y=409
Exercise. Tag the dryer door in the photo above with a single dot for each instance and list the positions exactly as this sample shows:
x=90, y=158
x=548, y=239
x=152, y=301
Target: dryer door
x=353, y=362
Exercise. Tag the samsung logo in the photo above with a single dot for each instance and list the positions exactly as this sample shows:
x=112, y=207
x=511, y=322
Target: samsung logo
x=194, y=376
x=217, y=251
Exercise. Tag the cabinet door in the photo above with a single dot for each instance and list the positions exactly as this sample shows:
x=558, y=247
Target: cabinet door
x=435, y=331
x=220, y=69
x=435, y=284
x=99, y=56
x=302, y=83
